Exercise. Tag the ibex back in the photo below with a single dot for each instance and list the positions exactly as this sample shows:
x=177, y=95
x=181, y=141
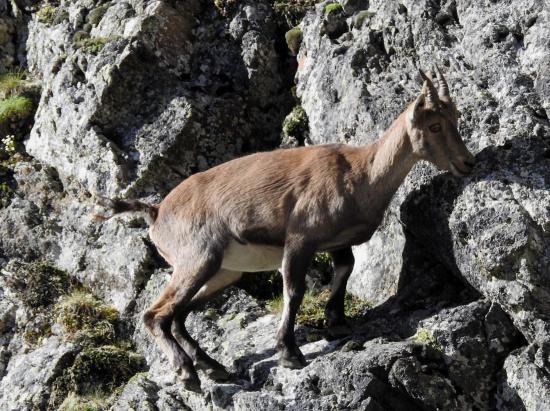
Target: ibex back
x=276, y=210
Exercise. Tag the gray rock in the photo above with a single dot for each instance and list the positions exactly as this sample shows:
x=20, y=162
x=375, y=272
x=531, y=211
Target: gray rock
x=29, y=390
x=490, y=228
x=525, y=382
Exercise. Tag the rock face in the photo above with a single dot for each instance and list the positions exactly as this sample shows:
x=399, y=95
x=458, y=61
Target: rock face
x=137, y=95
x=490, y=229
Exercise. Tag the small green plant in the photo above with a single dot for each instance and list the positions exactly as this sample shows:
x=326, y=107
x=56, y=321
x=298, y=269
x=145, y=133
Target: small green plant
x=296, y=123
x=90, y=402
x=425, y=337
x=12, y=83
x=294, y=39
x=312, y=310
x=46, y=14
x=95, y=16
x=332, y=7
x=15, y=108
x=92, y=45
x=293, y=11
x=86, y=318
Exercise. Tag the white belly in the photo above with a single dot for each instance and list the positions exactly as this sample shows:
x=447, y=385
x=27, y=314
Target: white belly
x=251, y=257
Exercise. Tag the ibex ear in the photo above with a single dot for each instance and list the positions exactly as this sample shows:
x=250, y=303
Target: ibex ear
x=417, y=108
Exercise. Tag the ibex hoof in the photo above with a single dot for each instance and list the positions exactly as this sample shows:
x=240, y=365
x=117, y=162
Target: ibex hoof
x=190, y=381
x=293, y=361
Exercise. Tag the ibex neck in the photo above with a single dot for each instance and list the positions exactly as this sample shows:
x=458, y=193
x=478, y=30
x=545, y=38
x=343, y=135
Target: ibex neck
x=392, y=160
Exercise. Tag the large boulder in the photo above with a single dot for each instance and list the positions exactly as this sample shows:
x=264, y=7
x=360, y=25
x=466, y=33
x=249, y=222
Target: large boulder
x=489, y=229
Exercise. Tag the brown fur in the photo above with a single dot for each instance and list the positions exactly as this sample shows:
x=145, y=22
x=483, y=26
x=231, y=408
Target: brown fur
x=283, y=206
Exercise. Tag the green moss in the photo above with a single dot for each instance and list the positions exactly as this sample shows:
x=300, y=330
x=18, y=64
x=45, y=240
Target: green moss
x=91, y=402
x=293, y=39
x=15, y=108
x=360, y=18
x=39, y=284
x=293, y=11
x=312, y=310
x=103, y=368
x=91, y=45
x=296, y=123
x=46, y=14
x=95, y=375
x=95, y=16
x=425, y=337
x=332, y=7
x=86, y=318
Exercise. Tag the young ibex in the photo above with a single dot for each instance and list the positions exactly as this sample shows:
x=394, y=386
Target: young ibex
x=275, y=210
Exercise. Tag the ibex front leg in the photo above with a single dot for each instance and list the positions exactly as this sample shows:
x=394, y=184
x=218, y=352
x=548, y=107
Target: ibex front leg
x=342, y=263
x=297, y=257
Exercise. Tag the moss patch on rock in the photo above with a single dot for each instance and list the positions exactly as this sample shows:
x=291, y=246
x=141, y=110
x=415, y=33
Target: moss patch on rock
x=91, y=402
x=46, y=14
x=92, y=45
x=294, y=39
x=39, y=284
x=425, y=337
x=94, y=376
x=332, y=8
x=95, y=15
x=293, y=11
x=86, y=318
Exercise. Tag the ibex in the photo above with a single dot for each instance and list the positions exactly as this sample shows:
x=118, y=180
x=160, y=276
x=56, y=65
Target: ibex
x=275, y=210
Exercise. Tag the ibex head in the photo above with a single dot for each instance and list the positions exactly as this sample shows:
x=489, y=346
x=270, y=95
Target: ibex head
x=432, y=127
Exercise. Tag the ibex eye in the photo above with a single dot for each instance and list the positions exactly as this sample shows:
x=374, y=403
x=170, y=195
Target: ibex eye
x=434, y=128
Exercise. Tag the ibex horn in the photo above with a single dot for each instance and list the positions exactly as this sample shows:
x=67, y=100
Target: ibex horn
x=429, y=90
x=443, y=86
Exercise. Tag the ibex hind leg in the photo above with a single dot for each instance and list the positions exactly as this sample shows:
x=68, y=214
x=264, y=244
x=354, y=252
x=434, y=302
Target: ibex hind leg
x=185, y=283
x=208, y=291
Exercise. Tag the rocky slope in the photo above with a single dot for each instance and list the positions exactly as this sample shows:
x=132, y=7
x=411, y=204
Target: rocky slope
x=136, y=95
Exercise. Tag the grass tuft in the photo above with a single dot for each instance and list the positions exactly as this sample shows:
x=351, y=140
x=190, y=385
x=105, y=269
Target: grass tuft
x=296, y=123
x=15, y=108
x=84, y=317
x=312, y=310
